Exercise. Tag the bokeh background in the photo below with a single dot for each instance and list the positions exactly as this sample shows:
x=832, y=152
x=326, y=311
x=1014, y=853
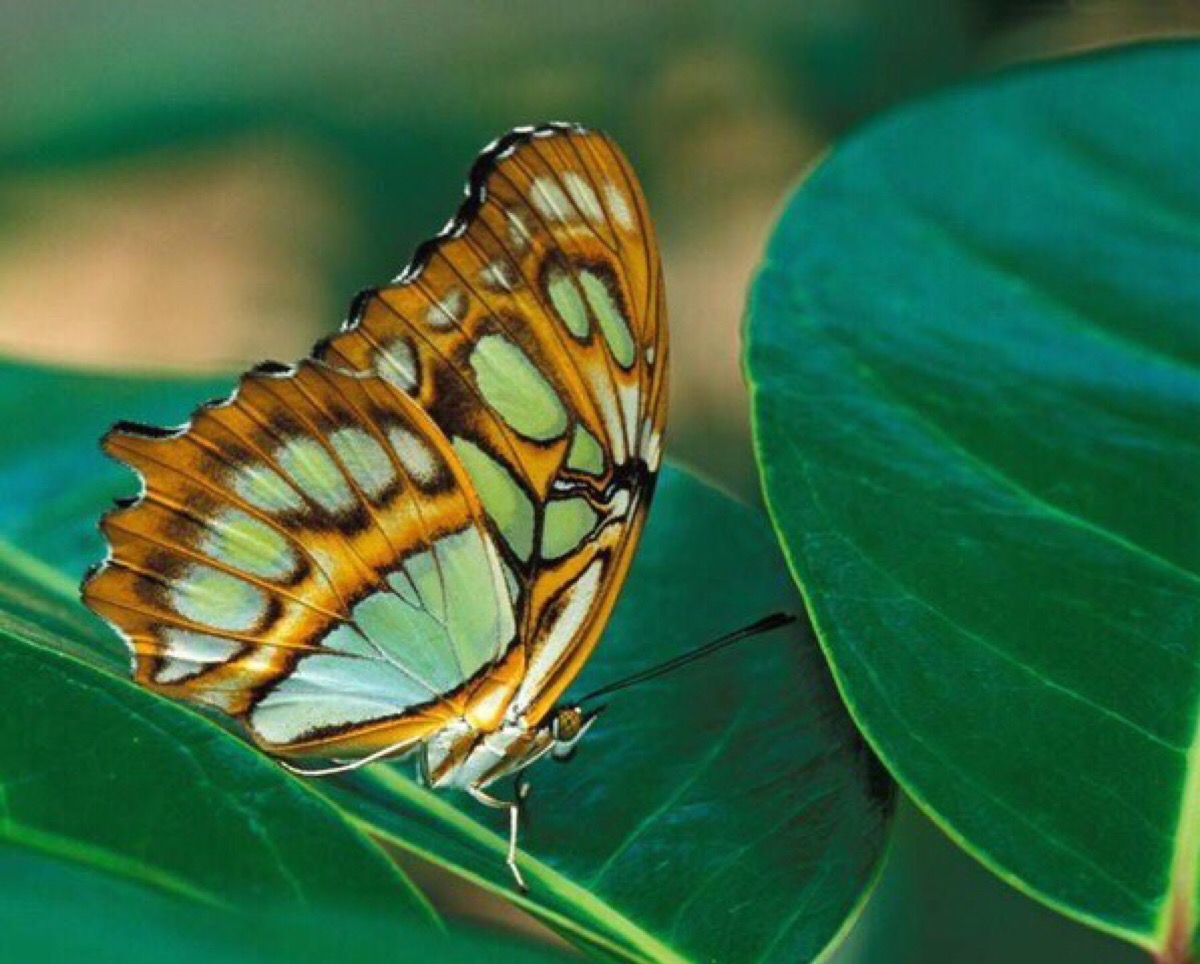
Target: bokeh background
x=201, y=186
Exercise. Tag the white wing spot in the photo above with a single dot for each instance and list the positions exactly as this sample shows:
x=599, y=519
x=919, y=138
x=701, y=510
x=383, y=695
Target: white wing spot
x=549, y=199
x=580, y=598
x=619, y=205
x=415, y=455
x=397, y=363
x=316, y=474
x=619, y=508
x=364, y=458
x=629, y=397
x=243, y=542
x=447, y=312
x=584, y=196
x=610, y=412
x=189, y=654
x=499, y=276
x=266, y=490
x=214, y=598
x=518, y=233
x=330, y=690
x=651, y=446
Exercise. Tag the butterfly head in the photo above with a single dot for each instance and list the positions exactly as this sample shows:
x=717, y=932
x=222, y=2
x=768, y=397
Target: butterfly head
x=568, y=724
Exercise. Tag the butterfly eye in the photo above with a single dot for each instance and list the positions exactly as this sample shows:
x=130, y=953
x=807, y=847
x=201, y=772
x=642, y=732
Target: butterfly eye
x=566, y=724
x=564, y=746
x=567, y=728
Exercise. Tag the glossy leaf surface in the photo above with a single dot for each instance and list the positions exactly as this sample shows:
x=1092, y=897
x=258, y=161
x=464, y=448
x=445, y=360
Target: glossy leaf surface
x=120, y=922
x=974, y=352
x=100, y=774
x=728, y=810
x=724, y=812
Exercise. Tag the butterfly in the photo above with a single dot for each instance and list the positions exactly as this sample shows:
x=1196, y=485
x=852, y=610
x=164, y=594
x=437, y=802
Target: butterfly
x=410, y=543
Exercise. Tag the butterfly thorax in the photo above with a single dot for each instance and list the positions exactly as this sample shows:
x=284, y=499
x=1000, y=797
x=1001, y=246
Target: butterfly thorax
x=463, y=757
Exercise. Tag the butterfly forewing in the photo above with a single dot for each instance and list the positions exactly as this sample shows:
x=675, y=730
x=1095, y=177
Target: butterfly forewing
x=308, y=556
x=533, y=332
x=417, y=537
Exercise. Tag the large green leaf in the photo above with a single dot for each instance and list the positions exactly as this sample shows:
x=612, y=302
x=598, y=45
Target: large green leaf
x=728, y=812
x=935, y=903
x=97, y=772
x=53, y=910
x=974, y=350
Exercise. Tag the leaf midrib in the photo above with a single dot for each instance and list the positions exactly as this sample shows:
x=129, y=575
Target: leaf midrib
x=1184, y=874
x=101, y=858
x=985, y=857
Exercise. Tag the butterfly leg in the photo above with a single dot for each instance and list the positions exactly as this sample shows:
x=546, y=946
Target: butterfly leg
x=521, y=789
x=514, y=826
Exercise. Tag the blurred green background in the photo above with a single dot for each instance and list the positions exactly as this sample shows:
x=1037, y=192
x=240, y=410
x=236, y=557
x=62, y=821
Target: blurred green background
x=199, y=186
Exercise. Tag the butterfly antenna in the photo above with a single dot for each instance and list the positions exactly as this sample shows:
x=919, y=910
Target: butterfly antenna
x=764, y=625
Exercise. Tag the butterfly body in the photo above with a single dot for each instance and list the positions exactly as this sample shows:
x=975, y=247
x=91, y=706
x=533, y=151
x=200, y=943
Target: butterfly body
x=410, y=543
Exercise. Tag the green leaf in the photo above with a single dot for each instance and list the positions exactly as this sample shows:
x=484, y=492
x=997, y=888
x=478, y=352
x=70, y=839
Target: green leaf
x=120, y=922
x=99, y=773
x=728, y=811
x=975, y=360
x=933, y=902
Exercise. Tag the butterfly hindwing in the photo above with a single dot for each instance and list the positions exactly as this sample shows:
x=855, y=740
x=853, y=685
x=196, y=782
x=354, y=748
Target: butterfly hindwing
x=308, y=556
x=533, y=332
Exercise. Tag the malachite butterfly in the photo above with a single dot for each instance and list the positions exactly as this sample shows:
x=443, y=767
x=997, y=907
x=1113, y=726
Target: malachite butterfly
x=410, y=543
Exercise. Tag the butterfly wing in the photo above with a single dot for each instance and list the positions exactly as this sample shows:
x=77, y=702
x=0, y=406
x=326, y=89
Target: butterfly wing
x=533, y=332
x=310, y=557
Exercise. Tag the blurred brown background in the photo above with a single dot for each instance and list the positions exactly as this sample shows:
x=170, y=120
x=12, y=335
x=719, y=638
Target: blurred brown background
x=200, y=186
